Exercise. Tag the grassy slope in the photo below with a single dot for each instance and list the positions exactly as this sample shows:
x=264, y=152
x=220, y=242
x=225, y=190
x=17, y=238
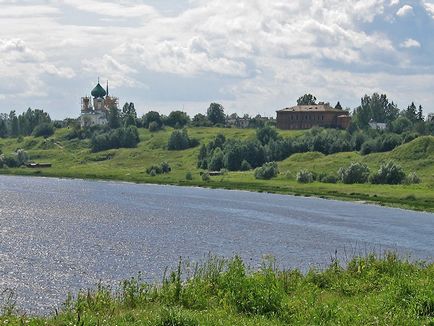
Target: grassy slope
x=369, y=291
x=73, y=159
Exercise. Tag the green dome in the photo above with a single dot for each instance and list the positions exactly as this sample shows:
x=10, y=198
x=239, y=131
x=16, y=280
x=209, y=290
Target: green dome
x=98, y=91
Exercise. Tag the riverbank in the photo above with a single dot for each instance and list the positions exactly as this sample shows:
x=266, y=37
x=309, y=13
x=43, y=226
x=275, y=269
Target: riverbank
x=383, y=290
x=73, y=159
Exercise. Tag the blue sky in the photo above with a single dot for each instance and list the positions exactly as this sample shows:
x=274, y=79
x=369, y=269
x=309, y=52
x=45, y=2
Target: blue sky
x=252, y=56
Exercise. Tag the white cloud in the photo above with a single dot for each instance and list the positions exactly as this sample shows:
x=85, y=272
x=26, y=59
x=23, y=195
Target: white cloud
x=410, y=43
x=405, y=10
x=257, y=54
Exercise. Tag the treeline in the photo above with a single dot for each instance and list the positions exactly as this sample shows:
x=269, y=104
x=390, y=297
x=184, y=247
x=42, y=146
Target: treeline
x=268, y=146
x=31, y=122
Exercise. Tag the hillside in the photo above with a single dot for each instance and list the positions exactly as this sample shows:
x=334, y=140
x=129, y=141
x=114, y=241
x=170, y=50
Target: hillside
x=73, y=158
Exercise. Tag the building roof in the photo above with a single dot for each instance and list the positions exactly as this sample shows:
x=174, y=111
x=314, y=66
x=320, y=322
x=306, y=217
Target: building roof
x=98, y=91
x=312, y=108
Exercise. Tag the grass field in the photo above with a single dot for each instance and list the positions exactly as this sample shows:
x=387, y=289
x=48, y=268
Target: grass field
x=368, y=291
x=73, y=159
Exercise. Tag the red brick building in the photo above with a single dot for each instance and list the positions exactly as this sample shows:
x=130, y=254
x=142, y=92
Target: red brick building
x=308, y=116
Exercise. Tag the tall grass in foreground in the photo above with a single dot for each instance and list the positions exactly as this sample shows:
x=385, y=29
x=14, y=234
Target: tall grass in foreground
x=368, y=291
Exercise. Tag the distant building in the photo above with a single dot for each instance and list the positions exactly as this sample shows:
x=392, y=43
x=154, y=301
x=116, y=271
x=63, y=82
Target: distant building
x=94, y=110
x=308, y=116
x=377, y=125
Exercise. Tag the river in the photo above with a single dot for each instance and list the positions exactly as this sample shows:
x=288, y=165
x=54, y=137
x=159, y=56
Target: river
x=59, y=235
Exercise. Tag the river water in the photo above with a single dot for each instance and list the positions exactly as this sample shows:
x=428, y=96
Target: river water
x=61, y=235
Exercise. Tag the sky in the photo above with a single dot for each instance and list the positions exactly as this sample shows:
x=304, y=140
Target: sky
x=252, y=56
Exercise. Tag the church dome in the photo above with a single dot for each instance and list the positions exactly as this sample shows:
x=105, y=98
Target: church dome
x=98, y=91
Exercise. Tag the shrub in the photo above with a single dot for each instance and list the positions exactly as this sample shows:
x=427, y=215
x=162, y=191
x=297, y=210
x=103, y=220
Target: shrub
x=163, y=168
x=413, y=178
x=245, y=166
x=180, y=140
x=2, y=161
x=216, y=163
x=390, y=142
x=267, y=171
x=328, y=178
x=304, y=176
x=369, y=147
x=189, y=176
x=45, y=129
x=118, y=138
x=355, y=173
x=154, y=126
x=205, y=177
x=22, y=157
x=389, y=173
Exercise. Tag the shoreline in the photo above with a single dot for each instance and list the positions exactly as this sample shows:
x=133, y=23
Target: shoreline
x=245, y=187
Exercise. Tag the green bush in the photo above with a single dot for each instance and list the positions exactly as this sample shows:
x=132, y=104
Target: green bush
x=206, y=177
x=304, y=176
x=245, y=166
x=389, y=173
x=267, y=171
x=189, y=176
x=154, y=126
x=45, y=129
x=355, y=173
x=179, y=140
x=118, y=138
x=413, y=178
x=163, y=168
x=325, y=178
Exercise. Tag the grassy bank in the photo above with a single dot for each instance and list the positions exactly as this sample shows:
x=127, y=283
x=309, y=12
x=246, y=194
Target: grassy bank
x=368, y=291
x=72, y=158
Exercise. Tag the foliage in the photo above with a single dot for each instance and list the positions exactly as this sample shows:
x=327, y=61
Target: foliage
x=152, y=117
x=304, y=176
x=267, y=171
x=180, y=140
x=413, y=178
x=154, y=127
x=114, y=118
x=201, y=120
x=12, y=125
x=45, y=129
x=366, y=290
x=189, y=176
x=118, y=138
x=307, y=99
x=216, y=114
x=205, y=177
x=375, y=108
x=245, y=166
x=163, y=168
x=177, y=119
x=355, y=173
x=389, y=173
x=266, y=134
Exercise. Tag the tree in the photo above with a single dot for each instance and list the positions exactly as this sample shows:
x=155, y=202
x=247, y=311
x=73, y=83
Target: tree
x=216, y=113
x=114, y=120
x=266, y=134
x=307, y=99
x=44, y=129
x=420, y=116
x=410, y=113
x=152, y=116
x=201, y=120
x=177, y=119
x=376, y=108
x=14, y=124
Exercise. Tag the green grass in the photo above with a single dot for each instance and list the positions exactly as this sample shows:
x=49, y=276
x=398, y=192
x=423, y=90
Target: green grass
x=368, y=291
x=73, y=159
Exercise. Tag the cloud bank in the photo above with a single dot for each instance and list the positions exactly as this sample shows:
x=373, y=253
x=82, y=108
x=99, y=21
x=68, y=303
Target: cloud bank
x=252, y=56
